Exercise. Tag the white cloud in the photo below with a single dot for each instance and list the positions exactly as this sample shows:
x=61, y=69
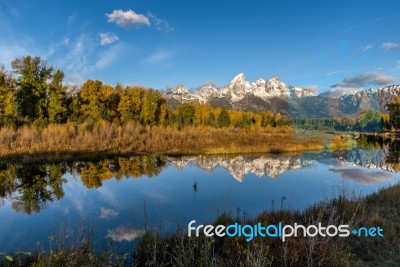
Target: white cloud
x=367, y=47
x=127, y=18
x=161, y=24
x=123, y=233
x=390, y=46
x=158, y=57
x=108, y=38
x=106, y=213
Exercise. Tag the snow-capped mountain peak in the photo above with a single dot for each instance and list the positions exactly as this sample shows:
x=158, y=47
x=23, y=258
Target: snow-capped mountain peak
x=180, y=89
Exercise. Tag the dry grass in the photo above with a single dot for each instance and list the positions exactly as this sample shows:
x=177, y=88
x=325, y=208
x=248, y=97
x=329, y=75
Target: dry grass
x=103, y=137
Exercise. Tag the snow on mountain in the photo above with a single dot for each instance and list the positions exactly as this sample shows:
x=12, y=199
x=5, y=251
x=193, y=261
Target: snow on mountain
x=276, y=96
x=237, y=91
x=206, y=91
x=182, y=95
x=372, y=98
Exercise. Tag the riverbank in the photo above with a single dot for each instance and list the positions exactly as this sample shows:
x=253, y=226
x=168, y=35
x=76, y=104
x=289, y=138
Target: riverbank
x=156, y=249
x=70, y=141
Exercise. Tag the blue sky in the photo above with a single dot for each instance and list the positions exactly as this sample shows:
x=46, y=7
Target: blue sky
x=320, y=44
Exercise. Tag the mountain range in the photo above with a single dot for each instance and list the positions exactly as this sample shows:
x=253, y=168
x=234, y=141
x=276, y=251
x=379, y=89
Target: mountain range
x=275, y=96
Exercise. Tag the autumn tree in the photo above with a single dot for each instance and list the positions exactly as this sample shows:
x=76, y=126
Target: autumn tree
x=130, y=104
x=151, y=108
x=276, y=119
x=99, y=101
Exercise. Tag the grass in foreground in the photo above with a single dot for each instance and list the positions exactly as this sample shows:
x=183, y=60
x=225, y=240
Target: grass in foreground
x=380, y=209
x=155, y=249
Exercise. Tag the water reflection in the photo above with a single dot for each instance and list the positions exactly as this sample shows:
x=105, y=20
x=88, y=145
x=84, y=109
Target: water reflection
x=375, y=152
x=119, y=197
x=123, y=233
x=271, y=165
x=31, y=187
x=363, y=176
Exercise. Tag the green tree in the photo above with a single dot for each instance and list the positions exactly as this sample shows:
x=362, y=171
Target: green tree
x=370, y=121
x=211, y=119
x=57, y=109
x=224, y=119
x=394, y=113
x=185, y=114
x=33, y=75
x=8, y=103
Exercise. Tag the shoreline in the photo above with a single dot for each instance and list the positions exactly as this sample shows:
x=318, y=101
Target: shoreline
x=51, y=157
x=69, y=142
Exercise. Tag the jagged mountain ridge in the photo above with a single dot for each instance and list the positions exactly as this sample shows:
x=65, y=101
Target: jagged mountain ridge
x=276, y=96
x=240, y=94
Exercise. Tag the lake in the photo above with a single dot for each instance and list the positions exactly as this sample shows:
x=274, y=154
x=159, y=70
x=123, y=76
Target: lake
x=121, y=197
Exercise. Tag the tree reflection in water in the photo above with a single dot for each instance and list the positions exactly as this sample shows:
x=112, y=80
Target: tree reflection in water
x=30, y=187
x=378, y=142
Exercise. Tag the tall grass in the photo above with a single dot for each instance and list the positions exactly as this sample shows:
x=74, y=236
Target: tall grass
x=103, y=137
x=379, y=209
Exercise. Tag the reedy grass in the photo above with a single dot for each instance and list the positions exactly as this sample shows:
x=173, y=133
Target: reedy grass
x=63, y=141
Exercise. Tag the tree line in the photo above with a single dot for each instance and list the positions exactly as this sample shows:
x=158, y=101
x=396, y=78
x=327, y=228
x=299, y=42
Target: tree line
x=33, y=93
x=368, y=121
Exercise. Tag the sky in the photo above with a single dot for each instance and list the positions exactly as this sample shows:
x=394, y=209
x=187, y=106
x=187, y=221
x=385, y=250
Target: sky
x=322, y=45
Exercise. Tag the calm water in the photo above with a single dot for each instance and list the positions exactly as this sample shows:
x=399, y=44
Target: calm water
x=121, y=197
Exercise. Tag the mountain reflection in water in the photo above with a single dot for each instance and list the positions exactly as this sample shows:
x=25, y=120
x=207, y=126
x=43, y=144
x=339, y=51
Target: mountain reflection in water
x=123, y=196
x=30, y=187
